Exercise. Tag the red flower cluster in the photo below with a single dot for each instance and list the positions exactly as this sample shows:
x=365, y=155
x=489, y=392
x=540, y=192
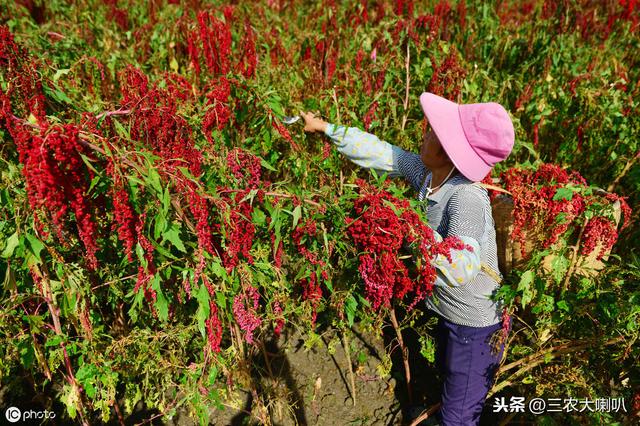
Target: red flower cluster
x=307, y=230
x=447, y=77
x=386, y=225
x=214, y=328
x=539, y=214
x=249, y=59
x=219, y=112
x=277, y=312
x=125, y=217
x=24, y=96
x=147, y=268
x=311, y=290
x=245, y=167
x=368, y=118
x=403, y=7
x=58, y=183
x=326, y=150
x=247, y=318
x=599, y=231
x=237, y=227
x=215, y=41
x=284, y=133
x=120, y=16
x=535, y=211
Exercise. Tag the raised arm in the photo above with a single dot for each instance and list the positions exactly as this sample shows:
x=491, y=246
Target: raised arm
x=367, y=150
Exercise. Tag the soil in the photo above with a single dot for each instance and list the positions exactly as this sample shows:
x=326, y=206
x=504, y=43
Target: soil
x=309, y=384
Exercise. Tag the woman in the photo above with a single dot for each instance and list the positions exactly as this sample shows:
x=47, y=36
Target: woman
x=463, y=144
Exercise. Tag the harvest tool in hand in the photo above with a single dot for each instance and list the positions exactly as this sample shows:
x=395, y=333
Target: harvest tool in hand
x=290, y=120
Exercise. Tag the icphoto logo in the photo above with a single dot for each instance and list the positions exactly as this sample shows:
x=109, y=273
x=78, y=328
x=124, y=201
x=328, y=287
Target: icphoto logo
x=13, y=414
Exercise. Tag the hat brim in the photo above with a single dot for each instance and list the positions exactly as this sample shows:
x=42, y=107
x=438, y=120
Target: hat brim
x=444, y=118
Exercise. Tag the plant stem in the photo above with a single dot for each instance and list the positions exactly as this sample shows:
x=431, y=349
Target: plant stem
x=405, y=354
x=406, y=93
x=267, y=361
x=574, y=256
x=425, y=414
x=335, y=100
x=345, y=343
x=624, y=171
x=54, y=310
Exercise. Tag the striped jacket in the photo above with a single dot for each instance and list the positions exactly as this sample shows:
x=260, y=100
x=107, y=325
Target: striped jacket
x=463, y=291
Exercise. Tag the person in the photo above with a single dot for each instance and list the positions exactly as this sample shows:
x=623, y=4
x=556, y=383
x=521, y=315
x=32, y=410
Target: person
x=460, y=148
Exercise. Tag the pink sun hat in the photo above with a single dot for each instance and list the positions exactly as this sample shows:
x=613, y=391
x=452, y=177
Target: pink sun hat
x=474, y=136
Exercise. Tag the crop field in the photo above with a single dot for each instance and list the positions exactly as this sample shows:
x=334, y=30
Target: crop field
x=174, y=252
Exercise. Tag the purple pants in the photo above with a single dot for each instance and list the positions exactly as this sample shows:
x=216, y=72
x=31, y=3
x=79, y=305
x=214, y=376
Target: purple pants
x=468, y=367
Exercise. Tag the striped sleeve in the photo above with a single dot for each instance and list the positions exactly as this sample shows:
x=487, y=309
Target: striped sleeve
x=464, y=265
x=367, y=150
x=412, y=168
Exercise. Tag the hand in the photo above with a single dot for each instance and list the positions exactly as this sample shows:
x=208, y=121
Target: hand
x=313, y=123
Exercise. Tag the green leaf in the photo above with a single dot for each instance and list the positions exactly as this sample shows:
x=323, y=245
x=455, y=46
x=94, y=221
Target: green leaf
x=120, y=130
x=563, y=305
x=525, y=280
x=297, y=214
x=221, y=301
x=173, y=235
x=153, y=179
x=173, y=65
x=559, y=266
x=266, y=165
x=563, y=194
x=35, y=245
x=60, y=73
x=140, y=254
x=163, y=251
x=162, y=305
x=203, y=309
x=87, y=163
x=53, y=341
x=258, y=217
x=10, y=244
x=135, y=306
x=159, y=225
x=166, y=200
x=525, y=286
x=217, y=268
x=350, y=306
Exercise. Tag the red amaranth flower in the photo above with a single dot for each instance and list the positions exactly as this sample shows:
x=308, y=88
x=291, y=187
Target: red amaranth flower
x=214, y=328
x=237, y=228
x=284, y=133
x=382, y=233
x=249, y=59
x=215, y=38
x=277, y=312
x=326, y=150
x=219, y=111
x=370, y=115
x=542, y=218
x=598, y=231
x=245, y=167
x=247, y=318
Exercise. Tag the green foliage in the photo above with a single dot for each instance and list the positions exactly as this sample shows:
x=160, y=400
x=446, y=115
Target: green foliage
x=567, y=75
